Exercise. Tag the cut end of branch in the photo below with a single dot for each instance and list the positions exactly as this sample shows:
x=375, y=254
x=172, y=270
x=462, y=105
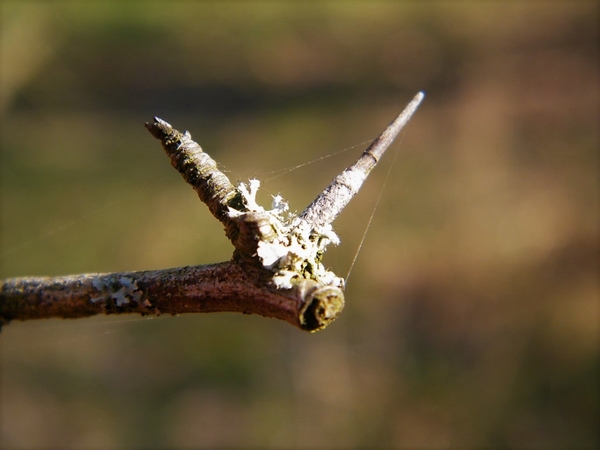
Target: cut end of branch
x=324, y=306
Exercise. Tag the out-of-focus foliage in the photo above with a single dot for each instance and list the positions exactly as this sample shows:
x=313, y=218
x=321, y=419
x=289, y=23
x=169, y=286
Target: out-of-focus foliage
x=472, y=312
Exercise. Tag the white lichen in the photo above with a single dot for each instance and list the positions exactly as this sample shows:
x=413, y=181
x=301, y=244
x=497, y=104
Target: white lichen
x=279, y=204
x=127, y=292
x=288, y=245
x=101, y=287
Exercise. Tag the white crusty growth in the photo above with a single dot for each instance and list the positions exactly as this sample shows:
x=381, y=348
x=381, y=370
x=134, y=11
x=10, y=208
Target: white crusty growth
x=290, y=246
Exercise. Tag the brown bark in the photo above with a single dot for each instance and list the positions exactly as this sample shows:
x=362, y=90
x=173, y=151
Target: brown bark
x=212, y=288
x=275, y=270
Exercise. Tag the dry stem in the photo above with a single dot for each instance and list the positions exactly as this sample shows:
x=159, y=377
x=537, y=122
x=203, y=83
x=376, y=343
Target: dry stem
x=275, y=270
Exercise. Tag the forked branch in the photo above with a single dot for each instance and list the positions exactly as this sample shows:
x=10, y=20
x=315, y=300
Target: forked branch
x=275, y=271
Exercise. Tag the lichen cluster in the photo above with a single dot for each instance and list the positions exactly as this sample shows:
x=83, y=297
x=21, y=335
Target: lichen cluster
x=288, y=245
x=122, y=291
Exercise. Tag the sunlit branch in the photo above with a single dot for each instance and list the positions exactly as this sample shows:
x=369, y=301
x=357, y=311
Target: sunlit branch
x=330, y=203
x=275, y=270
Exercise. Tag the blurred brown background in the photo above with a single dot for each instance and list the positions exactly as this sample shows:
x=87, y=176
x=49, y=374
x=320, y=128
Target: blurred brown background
x=472, y=313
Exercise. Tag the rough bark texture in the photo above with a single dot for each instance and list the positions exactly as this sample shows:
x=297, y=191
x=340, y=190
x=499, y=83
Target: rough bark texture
x=200, y=171
x=275, y=270
x=212, y=288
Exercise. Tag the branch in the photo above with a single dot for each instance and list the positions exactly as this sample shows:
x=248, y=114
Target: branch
x=201, y=172
x=326, y=207
x=275, y=271
x=212, y=288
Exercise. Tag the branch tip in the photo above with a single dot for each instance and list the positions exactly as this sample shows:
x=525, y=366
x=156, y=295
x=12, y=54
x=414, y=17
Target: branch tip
x=331, y=202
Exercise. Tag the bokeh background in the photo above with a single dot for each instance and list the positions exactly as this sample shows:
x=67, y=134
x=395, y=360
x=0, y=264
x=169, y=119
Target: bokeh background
x=472, y=312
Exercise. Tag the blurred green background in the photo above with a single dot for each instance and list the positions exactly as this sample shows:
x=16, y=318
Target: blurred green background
x=472, y=313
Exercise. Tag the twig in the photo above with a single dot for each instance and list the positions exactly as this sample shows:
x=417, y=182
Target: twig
x=326, y=207
x=212, y=288
x=275, y=270
x=201, y=172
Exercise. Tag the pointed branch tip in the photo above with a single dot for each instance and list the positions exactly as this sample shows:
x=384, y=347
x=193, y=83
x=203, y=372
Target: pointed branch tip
x=330, y=203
